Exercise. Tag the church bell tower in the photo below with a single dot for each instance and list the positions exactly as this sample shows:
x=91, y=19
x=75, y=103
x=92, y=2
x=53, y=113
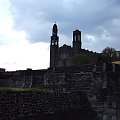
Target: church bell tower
x=54, y=45
x=77, y=40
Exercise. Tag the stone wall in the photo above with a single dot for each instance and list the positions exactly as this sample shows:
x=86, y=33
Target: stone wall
x=37, y=78
x=100, y=84
x=101, y=88
x=45, y=106
x=22, y=78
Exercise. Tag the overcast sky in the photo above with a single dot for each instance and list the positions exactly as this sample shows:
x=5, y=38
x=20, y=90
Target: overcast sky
x=25, y=28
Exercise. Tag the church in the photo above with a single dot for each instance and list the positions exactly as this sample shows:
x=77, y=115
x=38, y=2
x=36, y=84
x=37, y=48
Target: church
x=63, y=56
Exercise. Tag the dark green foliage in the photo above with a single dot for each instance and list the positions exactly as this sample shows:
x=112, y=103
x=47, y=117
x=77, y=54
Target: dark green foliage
x=8, y=89
x=109, y=54
x=82, y=59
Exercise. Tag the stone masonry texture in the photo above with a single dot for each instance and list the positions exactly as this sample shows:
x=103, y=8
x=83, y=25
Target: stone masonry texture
x=45, y=106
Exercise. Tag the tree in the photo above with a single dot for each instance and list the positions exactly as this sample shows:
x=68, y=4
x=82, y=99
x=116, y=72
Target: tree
x=109, y=53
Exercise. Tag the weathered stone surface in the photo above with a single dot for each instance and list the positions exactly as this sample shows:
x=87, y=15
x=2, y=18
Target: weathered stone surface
x=45, y=106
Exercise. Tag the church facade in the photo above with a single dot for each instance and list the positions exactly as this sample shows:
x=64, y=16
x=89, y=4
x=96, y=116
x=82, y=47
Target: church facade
x=62, y=56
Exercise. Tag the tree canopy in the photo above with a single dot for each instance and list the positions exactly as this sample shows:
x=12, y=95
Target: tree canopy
x=109, y=53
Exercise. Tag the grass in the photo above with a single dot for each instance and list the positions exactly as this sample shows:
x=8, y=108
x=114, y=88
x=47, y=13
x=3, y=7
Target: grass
x=9, y=89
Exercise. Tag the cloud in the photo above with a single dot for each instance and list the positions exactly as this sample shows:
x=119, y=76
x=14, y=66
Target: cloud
x=16, y=51
x=92, y=17
x=22, y=56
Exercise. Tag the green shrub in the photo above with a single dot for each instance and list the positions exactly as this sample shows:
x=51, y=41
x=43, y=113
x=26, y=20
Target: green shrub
x=82, y=59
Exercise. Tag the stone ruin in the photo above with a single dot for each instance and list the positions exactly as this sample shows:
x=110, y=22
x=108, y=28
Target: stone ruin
x=99, y=83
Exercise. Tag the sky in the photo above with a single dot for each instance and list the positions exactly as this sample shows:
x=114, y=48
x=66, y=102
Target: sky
x=26, y=27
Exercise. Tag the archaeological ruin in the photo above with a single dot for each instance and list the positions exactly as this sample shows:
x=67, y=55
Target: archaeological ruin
x=84, y=91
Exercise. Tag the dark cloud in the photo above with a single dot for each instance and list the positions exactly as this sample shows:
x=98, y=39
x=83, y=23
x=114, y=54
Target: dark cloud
x=100, y=19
